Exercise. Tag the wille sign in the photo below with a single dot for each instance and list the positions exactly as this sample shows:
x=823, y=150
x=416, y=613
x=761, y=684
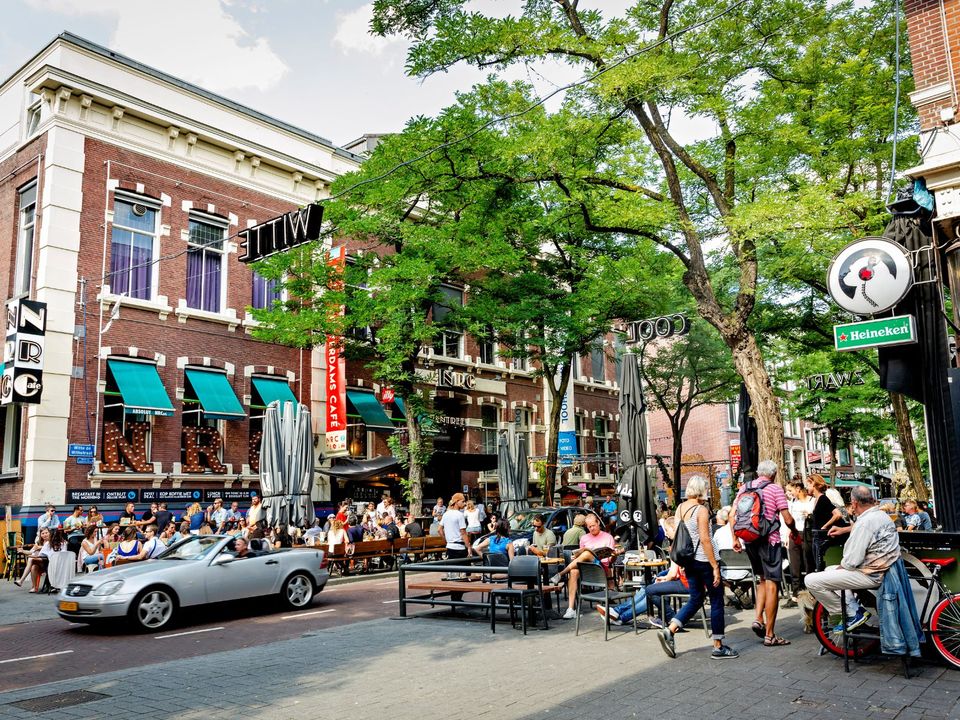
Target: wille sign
x=282, y=233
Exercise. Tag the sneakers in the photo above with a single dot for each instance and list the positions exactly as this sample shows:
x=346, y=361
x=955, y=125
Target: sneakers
x=611, y=613
x=570, y=614
x=667, y=642
x=724, y=653
x=857, y=620
x=656, y=622
x=555, y=580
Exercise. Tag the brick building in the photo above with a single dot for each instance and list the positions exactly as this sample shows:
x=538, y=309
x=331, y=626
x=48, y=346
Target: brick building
x=122, y=190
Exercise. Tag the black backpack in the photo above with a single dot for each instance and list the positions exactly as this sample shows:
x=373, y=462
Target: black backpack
x=683, y=552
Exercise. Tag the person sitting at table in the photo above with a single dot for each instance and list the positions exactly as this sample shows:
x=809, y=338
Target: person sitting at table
x=497, y=544
x=576, y=531
x=314, y=534
x=49, y=519
x=151, y=547
x=129, y=515
x=594, y=539
x=73, y=525
x=170, y=535
x=129, y=548
x=543, y=538
x=36, y=559
x=90, y=550
x=94, y=518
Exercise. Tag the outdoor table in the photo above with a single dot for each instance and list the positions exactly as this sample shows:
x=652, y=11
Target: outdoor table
x=646, y=567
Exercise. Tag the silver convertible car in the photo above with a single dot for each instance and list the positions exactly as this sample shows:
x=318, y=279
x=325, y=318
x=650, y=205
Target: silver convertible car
x=195, y=571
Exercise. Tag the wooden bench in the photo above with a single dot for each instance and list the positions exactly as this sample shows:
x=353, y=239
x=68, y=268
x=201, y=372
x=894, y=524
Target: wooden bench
x=423, y=547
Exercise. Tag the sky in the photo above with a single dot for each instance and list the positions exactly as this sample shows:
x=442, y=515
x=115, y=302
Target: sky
x=312, y=63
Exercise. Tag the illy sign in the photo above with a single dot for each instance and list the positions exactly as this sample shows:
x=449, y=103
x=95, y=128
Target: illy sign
x=23, y=352
x=897, y=330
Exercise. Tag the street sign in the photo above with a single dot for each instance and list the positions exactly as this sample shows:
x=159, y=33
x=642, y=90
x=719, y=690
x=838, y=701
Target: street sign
x=897, y=330
x=85, y=460
x=79, y=450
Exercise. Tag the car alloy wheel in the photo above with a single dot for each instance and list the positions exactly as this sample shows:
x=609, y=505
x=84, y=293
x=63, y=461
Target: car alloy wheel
x=154, y=609
x=298, y=591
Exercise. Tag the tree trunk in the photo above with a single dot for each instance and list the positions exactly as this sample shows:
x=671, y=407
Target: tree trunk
x=553, y=433
x=909, y=447
x=675, y=460
x=417, y=468
x=764, y=403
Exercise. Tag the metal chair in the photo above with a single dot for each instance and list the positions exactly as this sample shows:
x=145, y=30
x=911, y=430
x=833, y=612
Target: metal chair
x=735, y=568
x=594, y=578
x=524, y=569
x=677, y=600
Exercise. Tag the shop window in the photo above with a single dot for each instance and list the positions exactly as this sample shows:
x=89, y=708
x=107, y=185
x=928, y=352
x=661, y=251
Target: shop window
x=265, y=292
x=843, y=456
x=600, y=428
x=134, y=428
x=132, y=248
x=448, y=341
x=489, y=426
x=733, y=415
x=193, y=417
x=205, y=264
x=12, y=416
x=356, y=439
x=26, y=234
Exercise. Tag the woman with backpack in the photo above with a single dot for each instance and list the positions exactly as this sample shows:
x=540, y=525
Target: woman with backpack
x=695, y=552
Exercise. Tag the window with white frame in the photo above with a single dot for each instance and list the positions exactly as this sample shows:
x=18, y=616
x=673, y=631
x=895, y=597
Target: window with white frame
x=34, y=114
x=733, y=415
x=487, y=344
x=843, y=456
x=449, y=341
x=580, y=430
x=489, y=416
x=523, y=419
x=26, y=236
x=600, y=429
x=597, y=357
x=265, y=292
x=791, y=426
x=523, y=362
x=811, y=440
x=12, y=415
x=205, y=258
x=133, y=248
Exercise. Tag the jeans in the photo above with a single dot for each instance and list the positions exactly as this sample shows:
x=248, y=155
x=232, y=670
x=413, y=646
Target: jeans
x=668, y=587
x=826, y=587
x=626, y=609
x=700, y=578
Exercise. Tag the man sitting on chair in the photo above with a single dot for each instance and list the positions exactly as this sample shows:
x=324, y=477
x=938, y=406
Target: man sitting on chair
x=872, y=547
x=593, y=540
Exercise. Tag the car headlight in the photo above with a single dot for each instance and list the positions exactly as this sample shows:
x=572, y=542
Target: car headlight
x=108, y=588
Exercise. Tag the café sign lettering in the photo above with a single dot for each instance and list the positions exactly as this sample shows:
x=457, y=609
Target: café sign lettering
x=282, y=233
x=454, y=379
x=833, y=381
x=659, y=327
x=23, y=352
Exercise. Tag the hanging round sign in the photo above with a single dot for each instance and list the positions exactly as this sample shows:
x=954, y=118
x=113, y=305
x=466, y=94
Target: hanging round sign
x=870, y=276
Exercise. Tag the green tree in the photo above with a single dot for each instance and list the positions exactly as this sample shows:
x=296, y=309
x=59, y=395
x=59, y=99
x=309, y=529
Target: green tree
x=728, y=68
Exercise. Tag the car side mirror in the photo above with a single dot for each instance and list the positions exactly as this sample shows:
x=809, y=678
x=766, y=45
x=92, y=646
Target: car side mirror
x=223, y=559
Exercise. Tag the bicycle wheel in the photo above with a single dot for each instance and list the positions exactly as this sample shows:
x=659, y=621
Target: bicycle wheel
x=945, y=629
x=832, y=640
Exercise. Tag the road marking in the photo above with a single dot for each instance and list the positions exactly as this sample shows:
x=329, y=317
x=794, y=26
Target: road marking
x=34, y=657
x=304, y=614
x=387, y=602
x=392, y=582
x=188, y=632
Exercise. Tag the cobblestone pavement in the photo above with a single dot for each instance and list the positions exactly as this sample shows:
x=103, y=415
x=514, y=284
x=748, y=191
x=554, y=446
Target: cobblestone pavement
x=426, y=668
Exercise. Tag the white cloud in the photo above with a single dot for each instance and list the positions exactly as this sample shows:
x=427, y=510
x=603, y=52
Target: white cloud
x=197, y=40
x=353, y=33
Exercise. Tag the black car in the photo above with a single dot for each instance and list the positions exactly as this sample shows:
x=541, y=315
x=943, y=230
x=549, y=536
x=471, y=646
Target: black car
x=558, y=519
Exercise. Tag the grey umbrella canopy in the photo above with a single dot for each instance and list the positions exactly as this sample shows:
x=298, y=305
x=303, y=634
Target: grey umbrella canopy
x=301, y=472
x=634, y=482
x=522, y=478
x=506, y=474
x=271, y=467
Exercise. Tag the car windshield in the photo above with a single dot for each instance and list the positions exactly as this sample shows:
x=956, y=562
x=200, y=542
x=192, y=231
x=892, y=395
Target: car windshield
x=192, y=548
x=524, y=520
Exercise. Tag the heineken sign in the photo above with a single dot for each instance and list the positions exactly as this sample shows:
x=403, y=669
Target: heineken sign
x=897, y=330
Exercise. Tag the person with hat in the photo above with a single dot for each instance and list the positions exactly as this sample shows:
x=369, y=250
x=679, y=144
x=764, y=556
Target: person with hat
x=453, y=529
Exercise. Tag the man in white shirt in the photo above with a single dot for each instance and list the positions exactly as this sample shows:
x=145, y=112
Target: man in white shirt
x=49, y=519
x=385, y=507
x=152, y=546
x=453, y=529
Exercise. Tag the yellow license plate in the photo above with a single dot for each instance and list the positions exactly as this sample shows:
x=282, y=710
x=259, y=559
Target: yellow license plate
x=68, y=606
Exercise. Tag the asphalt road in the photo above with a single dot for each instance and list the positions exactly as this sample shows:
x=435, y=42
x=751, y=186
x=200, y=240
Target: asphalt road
x=39, y=652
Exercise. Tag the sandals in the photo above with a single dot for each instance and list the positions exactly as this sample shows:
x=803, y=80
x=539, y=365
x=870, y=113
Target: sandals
x=759, y=629
x=775, y=641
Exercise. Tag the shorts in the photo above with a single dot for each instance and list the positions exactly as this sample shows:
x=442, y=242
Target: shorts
x=766, y=559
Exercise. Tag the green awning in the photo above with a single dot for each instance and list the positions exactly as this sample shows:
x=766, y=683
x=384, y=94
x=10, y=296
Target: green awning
x=398, y=401
x=140, y=387
x=271, y=389
x=216, y=397
x=370, y=410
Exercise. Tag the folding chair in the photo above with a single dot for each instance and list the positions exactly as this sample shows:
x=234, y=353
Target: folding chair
x=594, y=578
x=735, y=568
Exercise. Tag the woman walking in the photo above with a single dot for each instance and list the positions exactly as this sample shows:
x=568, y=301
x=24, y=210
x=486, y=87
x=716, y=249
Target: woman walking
x=703, y=574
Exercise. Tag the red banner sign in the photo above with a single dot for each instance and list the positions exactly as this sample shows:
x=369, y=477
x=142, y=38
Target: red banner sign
x=336, y=378
x=387, y=395
x=734, y=455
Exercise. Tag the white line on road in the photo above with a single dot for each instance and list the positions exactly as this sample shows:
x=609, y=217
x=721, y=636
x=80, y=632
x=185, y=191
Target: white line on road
x=391, y=582
x=188, y=632
x=34, y=657
x=304, y=614
x=387, y=602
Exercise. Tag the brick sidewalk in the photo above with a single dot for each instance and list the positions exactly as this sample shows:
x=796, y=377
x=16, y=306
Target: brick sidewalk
x=421, y=668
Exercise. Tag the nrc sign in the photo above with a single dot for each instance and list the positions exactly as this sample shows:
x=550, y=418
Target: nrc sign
x=282, y=233
x=23, y=352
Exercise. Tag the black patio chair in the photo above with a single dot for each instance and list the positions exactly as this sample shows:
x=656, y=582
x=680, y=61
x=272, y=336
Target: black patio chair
x=594, y=579
x=525, y=571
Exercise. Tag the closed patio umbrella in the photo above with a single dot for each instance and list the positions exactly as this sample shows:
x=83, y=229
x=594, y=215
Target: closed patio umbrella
x=271, y=467
x=506, y=473
x=301, y=472
x=634, y=484
x=522, y=478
